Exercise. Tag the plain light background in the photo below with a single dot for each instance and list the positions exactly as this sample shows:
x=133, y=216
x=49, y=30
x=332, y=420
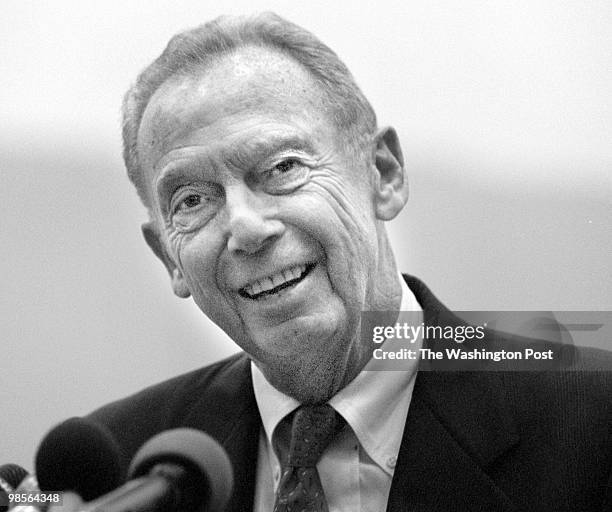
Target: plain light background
x=504, y=110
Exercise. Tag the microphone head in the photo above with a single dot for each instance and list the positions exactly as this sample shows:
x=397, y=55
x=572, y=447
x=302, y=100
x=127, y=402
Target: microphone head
x=211, y=477
x=79, y=455
x=12, y=474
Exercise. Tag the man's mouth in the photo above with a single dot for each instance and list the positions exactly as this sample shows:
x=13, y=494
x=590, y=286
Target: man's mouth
x=275, y=283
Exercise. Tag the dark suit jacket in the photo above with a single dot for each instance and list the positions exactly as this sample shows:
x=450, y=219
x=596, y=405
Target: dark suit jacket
x=473, y=441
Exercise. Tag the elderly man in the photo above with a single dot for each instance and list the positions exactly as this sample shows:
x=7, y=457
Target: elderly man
x=268, y=183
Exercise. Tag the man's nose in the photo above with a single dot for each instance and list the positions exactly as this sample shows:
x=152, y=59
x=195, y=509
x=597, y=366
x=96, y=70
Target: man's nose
x=250, y=229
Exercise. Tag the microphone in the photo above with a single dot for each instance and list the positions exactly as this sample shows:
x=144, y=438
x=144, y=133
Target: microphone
x=79, y=455
x=181, y=470
x=28, y=485
x=11, y=475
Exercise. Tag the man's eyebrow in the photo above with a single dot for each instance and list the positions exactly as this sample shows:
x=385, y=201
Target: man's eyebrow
x=246, y=156
x=175, y=173
x=254, y=151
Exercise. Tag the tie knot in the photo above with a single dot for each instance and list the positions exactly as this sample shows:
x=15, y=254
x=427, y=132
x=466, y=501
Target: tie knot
x=313, y=428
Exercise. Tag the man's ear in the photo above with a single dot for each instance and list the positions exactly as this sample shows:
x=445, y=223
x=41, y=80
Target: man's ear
x=153, y=239
x=391, y=184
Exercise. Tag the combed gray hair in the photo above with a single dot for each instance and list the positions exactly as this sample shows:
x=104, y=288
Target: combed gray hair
x=345, y=103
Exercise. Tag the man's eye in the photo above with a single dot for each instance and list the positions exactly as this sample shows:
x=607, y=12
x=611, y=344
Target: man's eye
x=191, y=201
x=187, y=203
x=286, y=176
x=284, y=166
x=194, y=204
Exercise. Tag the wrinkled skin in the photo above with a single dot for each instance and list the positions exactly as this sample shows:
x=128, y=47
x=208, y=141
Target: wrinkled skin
x=247, y=177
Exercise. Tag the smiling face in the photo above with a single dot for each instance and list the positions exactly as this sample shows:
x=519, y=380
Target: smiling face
x=269, y=219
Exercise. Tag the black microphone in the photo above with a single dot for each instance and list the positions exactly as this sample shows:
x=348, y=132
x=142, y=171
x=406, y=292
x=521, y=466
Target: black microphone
x=182, y=470
x=28, y=485
x=11, y=475
x=4, y=498
x=79, y=455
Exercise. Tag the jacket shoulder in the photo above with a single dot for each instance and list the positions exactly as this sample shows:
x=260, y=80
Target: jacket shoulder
x=166, y=405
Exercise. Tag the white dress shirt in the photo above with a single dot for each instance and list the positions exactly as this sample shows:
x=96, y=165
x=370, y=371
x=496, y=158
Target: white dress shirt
x=357, y=467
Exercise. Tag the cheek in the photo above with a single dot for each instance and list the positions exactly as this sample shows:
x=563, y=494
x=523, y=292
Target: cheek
x=199, y=264
x=343, y=216
x=340, y=219
x=349, y=199
x=196, y=259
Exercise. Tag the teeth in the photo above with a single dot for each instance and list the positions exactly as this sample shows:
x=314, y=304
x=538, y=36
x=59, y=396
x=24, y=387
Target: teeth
x=275, y=280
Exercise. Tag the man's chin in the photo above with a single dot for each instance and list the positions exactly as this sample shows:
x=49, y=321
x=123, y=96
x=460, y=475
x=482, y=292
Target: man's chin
x=309, y=369
x=289, y=346
x=310, y=381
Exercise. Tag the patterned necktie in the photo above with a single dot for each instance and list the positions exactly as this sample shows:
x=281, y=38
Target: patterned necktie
x=299, y=489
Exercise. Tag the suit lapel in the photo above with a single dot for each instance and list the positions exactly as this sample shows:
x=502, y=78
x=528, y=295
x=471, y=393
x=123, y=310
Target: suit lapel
x=242, y=447
x=443, y=457
x=457, y=426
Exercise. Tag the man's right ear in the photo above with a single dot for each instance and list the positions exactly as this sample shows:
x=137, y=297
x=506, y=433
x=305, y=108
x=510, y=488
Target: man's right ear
x=154, y=241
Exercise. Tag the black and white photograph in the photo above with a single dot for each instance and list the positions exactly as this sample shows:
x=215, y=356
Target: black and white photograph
x=306, y=256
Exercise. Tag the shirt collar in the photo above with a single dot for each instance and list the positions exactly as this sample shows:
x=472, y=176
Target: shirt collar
x=273, y=404
x=374, y=404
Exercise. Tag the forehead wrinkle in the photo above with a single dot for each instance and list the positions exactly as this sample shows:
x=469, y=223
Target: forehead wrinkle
x=241, y=151
x=255, y=150
x=169, y=124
